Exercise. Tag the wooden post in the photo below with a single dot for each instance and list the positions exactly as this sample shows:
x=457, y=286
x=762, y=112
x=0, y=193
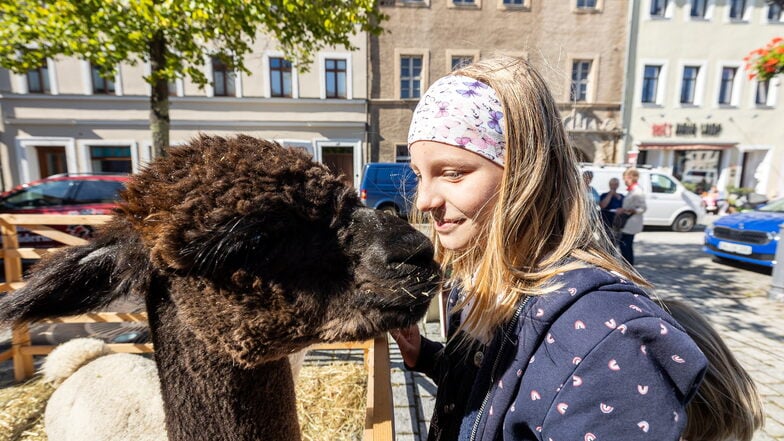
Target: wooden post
x=379, y=421
x=20, y=336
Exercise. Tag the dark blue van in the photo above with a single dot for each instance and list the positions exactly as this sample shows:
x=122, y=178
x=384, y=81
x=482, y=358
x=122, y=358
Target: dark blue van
x=388, y=186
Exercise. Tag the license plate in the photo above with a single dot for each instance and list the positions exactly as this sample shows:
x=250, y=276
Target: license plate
x=735, y=248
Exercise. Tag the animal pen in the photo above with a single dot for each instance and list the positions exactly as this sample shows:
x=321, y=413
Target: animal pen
x=379, y=409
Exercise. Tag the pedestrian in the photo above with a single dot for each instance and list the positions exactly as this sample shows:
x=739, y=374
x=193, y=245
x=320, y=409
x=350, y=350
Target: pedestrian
x=633, y=206
x=727, y=406
x=551, y=336
x=592, y=193
x=609, y=203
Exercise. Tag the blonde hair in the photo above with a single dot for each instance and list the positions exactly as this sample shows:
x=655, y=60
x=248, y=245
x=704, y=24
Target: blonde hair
x=727, y=405
x=633, y=172
x=542, y=223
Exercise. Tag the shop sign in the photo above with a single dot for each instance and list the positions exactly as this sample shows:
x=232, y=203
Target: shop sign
x=711, y=129
x=685, y=129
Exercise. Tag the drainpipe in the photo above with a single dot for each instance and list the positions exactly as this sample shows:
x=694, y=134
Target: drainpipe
x=628, y=75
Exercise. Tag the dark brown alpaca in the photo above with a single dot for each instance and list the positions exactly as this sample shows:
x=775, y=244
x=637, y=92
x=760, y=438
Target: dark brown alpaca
x=244, y=252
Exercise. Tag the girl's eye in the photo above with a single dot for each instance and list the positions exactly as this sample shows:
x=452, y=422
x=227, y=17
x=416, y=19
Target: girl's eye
x=453, y=174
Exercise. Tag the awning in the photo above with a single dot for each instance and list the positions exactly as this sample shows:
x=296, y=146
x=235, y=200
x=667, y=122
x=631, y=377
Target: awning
x=682, y=146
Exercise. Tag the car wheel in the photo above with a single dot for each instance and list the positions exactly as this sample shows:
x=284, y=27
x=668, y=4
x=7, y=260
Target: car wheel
x=684, y=222
x=391, y=209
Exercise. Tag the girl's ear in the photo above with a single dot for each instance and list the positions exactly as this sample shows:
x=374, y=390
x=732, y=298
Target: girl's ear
x=75, y=280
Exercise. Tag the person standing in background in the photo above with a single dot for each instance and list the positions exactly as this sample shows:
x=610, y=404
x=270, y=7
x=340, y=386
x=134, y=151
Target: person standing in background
x=592, y=193
x=610, y=202
x=633, y=205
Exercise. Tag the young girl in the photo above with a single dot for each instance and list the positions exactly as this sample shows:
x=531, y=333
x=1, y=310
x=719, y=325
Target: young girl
x=727, y=406
x=551, y=336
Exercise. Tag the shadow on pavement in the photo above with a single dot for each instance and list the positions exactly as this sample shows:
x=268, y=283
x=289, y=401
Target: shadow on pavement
x=718, y=290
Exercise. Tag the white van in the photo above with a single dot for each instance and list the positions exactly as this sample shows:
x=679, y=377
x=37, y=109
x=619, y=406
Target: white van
x=668, y=202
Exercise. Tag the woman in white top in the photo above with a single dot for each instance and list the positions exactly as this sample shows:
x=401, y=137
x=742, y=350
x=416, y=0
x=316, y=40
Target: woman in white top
x=634, y=205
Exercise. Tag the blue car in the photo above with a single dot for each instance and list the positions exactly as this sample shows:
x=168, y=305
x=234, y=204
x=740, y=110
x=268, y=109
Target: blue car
x=388, y=186
x=749, y=237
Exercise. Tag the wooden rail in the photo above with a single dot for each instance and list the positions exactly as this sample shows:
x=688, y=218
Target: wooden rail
x=379, y=422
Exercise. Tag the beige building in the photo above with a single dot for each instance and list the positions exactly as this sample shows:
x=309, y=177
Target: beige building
x=64, y=118
x=578, y=45
x=692, y=107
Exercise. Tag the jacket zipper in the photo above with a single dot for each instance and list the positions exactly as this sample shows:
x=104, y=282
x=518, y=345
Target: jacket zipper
x=512, y=323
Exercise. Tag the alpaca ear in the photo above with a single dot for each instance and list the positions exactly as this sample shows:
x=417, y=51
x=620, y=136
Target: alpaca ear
x=75, y=280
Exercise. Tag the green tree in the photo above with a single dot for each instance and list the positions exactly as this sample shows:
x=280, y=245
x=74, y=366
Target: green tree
x=174, y=36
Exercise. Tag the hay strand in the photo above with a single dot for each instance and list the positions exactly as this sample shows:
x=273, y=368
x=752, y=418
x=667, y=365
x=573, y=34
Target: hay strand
x=331, y=400
x=21, y=411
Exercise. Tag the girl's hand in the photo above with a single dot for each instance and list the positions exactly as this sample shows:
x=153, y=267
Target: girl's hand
x=408, y=340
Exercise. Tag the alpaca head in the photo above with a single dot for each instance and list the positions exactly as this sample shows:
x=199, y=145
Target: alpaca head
x=261, y=250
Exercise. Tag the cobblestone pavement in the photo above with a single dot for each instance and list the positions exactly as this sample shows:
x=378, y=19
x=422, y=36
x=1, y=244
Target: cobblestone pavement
x=732, y=297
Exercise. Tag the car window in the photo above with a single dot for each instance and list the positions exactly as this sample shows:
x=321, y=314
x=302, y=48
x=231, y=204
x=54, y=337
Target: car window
x=46, y=194
x=94, y=192
x=662, y=184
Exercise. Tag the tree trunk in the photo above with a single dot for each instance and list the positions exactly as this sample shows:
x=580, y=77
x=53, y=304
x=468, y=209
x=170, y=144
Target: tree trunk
x=159, y=98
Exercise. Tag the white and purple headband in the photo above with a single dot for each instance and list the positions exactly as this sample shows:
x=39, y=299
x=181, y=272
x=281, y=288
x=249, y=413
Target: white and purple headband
x=462, y=112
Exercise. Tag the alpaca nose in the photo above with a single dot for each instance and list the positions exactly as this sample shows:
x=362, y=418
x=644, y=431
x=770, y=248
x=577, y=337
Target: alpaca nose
x=411, y=248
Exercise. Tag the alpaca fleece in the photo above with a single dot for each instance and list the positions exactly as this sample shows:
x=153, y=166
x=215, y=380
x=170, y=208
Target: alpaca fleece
x=244, y=252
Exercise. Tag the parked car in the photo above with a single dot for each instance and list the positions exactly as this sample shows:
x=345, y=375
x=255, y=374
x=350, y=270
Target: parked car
x=750, y=237
x=668, y=202
x=388, y=186
x=63, y=194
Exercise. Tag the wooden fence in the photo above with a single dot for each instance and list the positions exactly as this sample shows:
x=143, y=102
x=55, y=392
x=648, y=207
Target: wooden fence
x=378, y=416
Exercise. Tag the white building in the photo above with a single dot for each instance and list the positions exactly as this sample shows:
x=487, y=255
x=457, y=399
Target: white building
x=689, y=103
x=65, y=118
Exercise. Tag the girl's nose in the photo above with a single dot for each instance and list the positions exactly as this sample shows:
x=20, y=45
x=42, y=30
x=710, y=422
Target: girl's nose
x=427, y=198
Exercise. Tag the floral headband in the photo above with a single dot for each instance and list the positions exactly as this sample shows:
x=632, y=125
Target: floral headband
x=462, y=112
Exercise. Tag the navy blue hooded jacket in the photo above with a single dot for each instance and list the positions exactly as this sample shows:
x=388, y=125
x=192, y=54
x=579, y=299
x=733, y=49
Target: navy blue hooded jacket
x=594, y=360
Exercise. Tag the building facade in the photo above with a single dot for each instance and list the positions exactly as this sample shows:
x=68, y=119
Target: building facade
x=579, y=46
x=63, y=117
x=691, y=106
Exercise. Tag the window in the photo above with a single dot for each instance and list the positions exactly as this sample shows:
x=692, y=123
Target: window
x=38, y=80
x=410, y=76
x=699, y=8
x=401, y=153
x=222, y=79
x=101, y=85
x=737, y=9
x=727, y=82
x=42, y=195
x=650, y=83
x=94, y=192
x=580, y=71
x=115, y=159
x=658, y=8
x=586, y=4
x=662, y=184
x=774, y=12
x=172, y=88
x=335, y=74
x=513, y=2
x=463, y=2
x=761, y=97
x=459, y=61
x=689, y=84
x=280, y=77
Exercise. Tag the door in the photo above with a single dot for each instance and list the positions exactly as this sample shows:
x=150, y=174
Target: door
x=663, y=201
x=341, y=161
x=51, y=161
